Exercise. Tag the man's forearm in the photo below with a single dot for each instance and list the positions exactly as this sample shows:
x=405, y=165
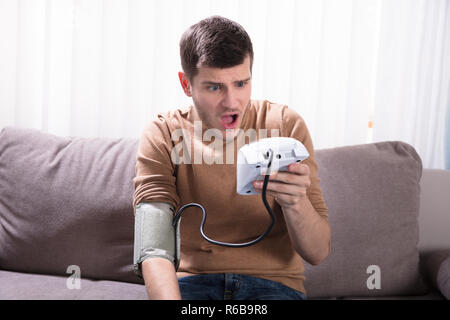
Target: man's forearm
x=160, y=279
x=310, y=233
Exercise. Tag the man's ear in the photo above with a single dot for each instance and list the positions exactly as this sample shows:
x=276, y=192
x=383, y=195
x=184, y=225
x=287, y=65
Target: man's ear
x=185, y=84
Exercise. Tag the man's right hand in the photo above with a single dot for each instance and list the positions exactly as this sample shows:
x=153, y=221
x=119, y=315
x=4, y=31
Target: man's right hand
x=160, y=279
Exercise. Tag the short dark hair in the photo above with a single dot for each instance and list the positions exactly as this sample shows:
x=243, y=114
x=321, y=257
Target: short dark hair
x=215, y=42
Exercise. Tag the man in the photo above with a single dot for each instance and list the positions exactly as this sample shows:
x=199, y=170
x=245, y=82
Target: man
x=171, y=170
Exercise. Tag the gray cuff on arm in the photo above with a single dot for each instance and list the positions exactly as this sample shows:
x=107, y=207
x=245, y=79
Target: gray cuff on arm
x=154, y=235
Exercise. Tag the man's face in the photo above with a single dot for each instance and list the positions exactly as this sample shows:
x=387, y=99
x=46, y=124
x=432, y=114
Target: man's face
x=220, y=96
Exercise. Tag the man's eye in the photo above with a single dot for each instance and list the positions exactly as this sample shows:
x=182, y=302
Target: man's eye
x=214, y=88
x=240, y=84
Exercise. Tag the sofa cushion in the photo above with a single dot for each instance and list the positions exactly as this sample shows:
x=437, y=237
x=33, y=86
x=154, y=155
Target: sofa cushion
x=66, y=201
x=24, y=286
x=437, y=266
x=443, y=278
x=372, y=192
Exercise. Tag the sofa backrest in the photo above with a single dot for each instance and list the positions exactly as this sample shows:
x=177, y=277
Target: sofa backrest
x=434, y=217
x=68, y=201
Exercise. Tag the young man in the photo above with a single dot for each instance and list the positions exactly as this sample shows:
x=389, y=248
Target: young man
x=177, y=164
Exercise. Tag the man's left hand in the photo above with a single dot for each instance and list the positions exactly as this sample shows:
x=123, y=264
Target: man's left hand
x=288, y=187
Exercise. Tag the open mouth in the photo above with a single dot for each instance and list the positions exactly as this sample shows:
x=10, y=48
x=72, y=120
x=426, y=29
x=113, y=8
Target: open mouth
x=229, y=121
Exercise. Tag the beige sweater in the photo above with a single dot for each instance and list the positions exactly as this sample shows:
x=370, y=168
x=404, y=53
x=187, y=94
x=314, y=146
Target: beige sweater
x=230, y=217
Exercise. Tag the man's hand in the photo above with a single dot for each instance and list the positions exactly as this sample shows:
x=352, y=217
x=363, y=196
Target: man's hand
x=309, y=233
x=288, y=187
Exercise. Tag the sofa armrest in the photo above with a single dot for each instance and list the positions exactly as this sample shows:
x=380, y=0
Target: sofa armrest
x=437, y=267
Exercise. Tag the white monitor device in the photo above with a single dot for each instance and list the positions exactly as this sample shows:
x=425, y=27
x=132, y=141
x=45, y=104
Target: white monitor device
x=253, y=159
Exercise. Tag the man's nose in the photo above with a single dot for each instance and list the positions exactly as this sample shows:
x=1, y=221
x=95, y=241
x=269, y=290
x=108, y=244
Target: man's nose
x=230, y=99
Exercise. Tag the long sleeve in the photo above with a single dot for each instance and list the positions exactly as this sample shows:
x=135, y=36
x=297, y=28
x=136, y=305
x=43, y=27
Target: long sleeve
x=294, y=126
x=155, y=179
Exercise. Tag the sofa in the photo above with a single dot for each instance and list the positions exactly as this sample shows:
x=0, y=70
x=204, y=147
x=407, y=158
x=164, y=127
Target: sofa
x=67, y=222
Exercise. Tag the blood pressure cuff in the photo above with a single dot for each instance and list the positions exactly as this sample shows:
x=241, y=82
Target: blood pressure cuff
x=154, y=235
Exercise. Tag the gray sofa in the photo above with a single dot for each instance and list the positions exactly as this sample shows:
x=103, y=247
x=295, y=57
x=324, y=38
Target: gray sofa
x=66, y=211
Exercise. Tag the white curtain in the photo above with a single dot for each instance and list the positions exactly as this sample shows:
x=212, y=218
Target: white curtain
x=107, y=67
x=413, y=77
